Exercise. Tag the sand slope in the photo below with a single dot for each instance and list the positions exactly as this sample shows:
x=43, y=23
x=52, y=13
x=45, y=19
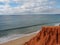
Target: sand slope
x=49, y=35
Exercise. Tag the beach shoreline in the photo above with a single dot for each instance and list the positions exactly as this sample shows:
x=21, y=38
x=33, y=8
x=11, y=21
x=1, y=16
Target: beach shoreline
x=20, y=40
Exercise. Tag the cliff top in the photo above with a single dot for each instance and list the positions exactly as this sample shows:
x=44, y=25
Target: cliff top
x=49, y=35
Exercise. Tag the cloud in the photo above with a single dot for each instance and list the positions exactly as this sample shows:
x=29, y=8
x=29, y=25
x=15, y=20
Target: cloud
x=13, y=7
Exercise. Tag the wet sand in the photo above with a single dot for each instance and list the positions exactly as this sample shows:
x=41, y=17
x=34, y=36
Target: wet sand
x=20, y=41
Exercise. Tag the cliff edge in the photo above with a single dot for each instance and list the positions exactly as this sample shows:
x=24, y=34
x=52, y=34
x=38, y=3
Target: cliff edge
x=49, y=35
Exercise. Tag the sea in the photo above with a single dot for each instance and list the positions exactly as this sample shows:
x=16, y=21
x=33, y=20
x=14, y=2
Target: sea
x=16, y=26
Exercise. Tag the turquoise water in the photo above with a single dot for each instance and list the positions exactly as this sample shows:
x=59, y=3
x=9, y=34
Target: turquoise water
x=23, y=24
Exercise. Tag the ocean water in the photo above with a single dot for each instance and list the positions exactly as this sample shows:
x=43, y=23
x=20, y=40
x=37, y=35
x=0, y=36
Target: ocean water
x=17, y=25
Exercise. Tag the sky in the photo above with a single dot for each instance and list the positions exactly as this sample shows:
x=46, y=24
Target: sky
x=17, y=7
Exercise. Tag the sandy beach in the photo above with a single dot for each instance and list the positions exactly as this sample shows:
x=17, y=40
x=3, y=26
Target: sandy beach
x=19, y=41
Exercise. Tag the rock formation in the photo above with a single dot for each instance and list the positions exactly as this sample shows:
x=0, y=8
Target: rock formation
x=49, y=35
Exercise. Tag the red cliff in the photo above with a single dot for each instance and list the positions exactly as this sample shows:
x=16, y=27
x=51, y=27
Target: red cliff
x=49, y=35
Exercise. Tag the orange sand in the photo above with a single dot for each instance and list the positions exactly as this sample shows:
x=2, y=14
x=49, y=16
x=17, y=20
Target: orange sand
x=49, y=35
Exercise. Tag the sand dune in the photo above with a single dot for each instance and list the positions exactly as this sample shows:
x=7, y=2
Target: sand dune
x=49, y=35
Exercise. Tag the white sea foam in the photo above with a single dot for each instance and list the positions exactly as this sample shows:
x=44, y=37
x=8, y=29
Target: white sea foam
x=10, y=37
x=57, y=24
x=13, y=37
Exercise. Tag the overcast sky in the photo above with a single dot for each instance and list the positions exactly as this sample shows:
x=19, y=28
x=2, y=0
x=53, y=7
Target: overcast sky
x=14, y=7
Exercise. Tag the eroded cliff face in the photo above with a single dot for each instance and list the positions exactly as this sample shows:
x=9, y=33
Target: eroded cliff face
x=49, y=35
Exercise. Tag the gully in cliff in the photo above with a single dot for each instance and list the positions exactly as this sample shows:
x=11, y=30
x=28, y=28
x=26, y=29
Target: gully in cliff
x=49, y=35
